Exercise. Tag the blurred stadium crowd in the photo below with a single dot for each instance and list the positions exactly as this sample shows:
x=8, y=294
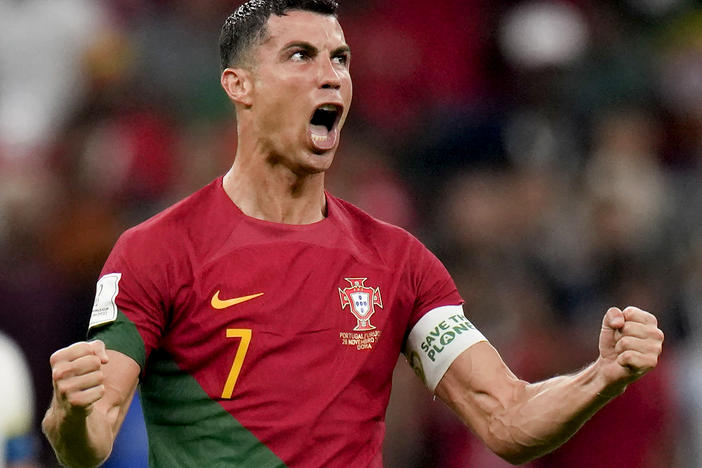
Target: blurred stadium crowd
x=549, y=152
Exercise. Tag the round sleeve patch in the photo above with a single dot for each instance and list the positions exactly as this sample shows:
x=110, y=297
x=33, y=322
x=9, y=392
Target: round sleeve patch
x=105, y=307
x=437, y=339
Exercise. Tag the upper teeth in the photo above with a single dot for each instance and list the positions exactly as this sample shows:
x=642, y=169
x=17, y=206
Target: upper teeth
x=328, y=107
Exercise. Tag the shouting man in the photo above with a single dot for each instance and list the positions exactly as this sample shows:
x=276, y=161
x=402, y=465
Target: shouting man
x=262, y=317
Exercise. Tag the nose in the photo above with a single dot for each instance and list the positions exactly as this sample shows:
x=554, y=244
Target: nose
x=328, y=75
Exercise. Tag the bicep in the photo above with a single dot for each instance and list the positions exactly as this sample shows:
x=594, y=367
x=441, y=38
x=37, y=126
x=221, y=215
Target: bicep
x=480, y=387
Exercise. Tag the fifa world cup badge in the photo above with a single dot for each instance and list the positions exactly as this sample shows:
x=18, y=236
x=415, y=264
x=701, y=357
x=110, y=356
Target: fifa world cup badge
x=362, y=301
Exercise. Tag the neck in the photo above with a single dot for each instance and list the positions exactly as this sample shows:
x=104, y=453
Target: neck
x=272, y=192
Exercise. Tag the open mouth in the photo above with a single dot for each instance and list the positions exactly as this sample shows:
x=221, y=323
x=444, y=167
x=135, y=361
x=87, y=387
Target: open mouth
x=323, y=130
x=326, y=115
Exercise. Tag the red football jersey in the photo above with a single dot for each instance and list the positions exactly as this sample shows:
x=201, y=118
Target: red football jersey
x=261, y=343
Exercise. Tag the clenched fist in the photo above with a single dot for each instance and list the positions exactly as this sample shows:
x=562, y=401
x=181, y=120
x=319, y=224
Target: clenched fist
x=77, y=376
x=630, y=343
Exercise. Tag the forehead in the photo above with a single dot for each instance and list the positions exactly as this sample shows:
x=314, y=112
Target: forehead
x=303, y=26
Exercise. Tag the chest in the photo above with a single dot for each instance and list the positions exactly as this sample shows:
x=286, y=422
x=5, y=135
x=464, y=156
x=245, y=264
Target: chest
x=272, y=313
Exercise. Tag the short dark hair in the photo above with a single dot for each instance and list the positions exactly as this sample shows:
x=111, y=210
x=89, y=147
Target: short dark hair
x=247, y=24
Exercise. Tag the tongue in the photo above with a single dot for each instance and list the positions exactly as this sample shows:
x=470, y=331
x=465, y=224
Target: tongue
x=321, y=138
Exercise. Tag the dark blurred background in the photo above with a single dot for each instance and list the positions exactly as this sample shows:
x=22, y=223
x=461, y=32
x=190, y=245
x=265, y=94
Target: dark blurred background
x=549, y=152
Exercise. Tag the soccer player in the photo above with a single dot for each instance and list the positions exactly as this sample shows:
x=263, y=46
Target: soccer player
x=262, y=317
x=17, y=438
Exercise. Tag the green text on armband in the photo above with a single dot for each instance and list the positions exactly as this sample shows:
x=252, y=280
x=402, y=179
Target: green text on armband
x=437, y=339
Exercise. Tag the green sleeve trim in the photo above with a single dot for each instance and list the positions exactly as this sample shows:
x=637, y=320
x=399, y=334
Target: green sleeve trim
x=121, y=335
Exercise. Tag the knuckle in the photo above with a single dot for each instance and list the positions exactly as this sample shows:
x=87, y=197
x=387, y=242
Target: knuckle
x=75, y=400
x=93, y=362
x=57, y=374
x=88, y=364
x=624, y=358
x=96, y=345
x=77, y=346
x=626, y=342
x=55, y=357
x=63, y=388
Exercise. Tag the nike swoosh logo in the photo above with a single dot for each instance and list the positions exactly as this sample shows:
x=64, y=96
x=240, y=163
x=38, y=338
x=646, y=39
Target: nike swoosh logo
x=218, y=303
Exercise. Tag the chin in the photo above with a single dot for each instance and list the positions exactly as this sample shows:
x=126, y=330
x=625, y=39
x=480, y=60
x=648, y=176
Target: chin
x=314, y=163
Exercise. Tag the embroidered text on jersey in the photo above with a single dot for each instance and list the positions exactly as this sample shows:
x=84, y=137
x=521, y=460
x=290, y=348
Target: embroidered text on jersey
x=362, y=301
x=218, y=303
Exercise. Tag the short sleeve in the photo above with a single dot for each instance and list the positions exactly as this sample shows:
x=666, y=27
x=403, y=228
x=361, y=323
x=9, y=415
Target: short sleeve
x=438, y=329
x=130, y=309
x=433, y=284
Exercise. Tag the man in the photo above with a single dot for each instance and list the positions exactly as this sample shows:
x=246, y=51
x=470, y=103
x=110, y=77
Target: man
x=262, y=317
x=17, y=438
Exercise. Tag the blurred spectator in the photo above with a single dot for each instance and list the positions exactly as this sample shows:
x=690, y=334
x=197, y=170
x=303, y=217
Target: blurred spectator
x=411, y=59
x=690, y=365
x=628, y=190
x=362, y=174
x=176, y=59
x=42, y=44
x=17, y=436
x=678, y=73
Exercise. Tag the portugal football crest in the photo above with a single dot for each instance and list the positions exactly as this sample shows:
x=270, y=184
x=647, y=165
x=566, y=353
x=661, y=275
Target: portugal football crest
x=362, y=301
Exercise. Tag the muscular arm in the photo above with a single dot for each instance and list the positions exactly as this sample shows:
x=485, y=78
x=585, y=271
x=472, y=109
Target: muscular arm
x=93, y=389
x=520, y=421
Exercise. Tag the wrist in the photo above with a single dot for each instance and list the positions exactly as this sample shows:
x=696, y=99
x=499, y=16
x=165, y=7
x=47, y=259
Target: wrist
x=605, y=386
x=68, y=433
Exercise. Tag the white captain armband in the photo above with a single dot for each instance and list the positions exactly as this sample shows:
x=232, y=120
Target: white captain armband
x=436, y=341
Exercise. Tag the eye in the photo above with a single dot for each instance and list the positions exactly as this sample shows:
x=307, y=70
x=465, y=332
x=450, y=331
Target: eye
x=341, y=59
x=299, y=56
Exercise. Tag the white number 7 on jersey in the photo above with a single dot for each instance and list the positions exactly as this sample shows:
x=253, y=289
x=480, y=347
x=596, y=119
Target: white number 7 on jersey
x=245, y=335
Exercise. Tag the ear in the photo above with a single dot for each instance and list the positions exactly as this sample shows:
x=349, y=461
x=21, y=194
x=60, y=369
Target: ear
x=238, y=84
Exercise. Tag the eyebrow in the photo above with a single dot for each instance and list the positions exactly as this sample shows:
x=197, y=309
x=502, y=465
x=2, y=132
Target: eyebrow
x=344, y=49
x=299, y=45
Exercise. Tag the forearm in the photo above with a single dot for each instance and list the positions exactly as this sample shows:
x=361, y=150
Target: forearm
x=521, y=421
x=539, y=417
x=542, y=416
x=517, y=420
x=79, y=440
